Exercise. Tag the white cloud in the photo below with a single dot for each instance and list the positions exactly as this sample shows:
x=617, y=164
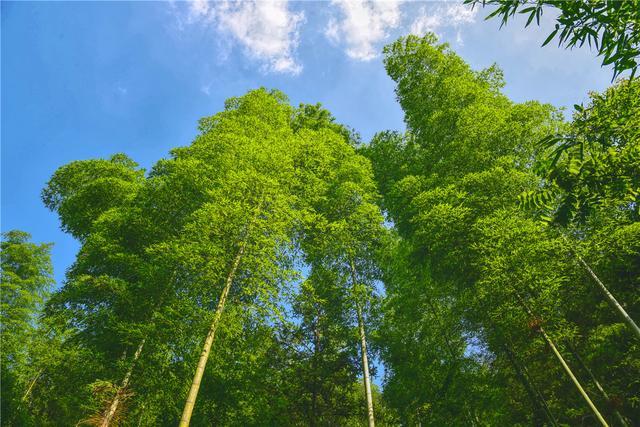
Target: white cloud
x=362, y=25
x=460, y=14
x=199, y=9
x=267, y=30
x=426, y=23
x=438, y=18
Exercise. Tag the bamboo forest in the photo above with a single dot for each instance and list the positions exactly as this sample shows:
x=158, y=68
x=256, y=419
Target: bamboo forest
x=480, y=267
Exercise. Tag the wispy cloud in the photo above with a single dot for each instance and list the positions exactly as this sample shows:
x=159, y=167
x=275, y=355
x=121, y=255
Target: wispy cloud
x=267, y=31
x=426, y=22
x=206, y=89
x=438, y=18
x=361, y=25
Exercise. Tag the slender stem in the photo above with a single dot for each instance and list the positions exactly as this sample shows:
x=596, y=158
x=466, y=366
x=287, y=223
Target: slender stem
x=314, y=382
x=565, y=366
x=125, y=383
x=363, y=348
x=208, y=342
x=113, y=407
x=534, y=394
x=573, y=378
x=612, y=300
x=31, y=384
x=595, y=381
x=25, y=395
x=624, y=316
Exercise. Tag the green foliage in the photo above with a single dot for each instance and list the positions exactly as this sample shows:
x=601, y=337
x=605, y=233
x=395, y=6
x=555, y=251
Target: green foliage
x=595, y=162
x=26, y=280
x=156, y=251
x=611, y=27
x=305, y=224
x=458, y=343
x=81, y=191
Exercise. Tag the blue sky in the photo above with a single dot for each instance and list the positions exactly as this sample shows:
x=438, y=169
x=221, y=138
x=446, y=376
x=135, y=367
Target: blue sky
x=87, y=79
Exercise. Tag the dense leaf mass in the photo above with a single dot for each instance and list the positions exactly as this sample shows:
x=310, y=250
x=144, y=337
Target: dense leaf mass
x=480, y=268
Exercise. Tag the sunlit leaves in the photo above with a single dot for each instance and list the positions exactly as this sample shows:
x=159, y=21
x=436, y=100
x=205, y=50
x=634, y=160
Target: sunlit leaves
x=594, y=162
x=610, y=27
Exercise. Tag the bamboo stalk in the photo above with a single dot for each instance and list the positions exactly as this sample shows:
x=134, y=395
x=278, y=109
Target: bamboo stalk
x=612, y=300
x=363, y=349
x=208, y=342
x=125, y=382
x=624, y=316
x=566, y=367
x=595, y=381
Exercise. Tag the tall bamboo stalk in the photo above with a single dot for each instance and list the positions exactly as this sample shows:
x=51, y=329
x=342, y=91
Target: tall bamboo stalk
x=612, y=300
x=31, y=384
x=108, y=416
x=363, y=350
x=314, y=364
x=624, y=316
x=208, y=342
x=534, y=394
x=566, y=367
x=26, y=394
x=595, y=381
x=117, y=399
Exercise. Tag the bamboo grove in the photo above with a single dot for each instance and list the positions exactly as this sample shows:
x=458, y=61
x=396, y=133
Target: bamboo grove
x=480, y=268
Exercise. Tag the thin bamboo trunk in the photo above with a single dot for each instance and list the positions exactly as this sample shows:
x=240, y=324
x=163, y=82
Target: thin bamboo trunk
x=612, y=300
x=365, y=367
x=624, y=316
x=565, y=366
x=127, y=378
x=595, y=381
x=204, y=356
x=573, y=378
x=26, y=394
x=31, y=384
x=314, y=394
x=108, y=416
x=534, y=394
x=363, y=349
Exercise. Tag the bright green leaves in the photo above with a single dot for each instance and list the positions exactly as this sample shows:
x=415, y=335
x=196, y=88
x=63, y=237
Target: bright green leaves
x=342, y=234
x=81, y=191
x=473, y=261
x=26, y=283
x=261, y=179
x=268, y=193
x=611, y=27
x=594, y=163
x=26, y=280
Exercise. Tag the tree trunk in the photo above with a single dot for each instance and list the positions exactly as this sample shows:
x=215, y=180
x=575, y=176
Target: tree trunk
x=363, y=349
x=624, y=316
x=564, y=365
x=574, y=379
x=31, y=384
x=533, y=392
x=108, y=416
x=314, y=385
x=612, y=300
x=204, y=356
x=117, y=399
x=26, y=394
x=595, y=381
